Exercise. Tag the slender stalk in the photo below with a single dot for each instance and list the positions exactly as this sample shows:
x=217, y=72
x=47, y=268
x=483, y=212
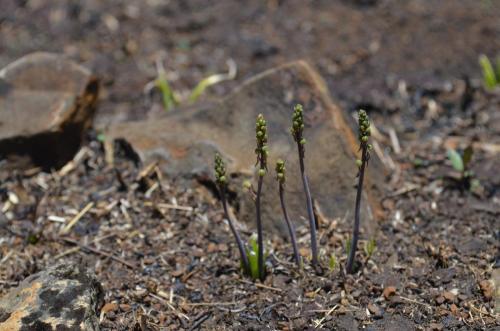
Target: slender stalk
x=221, y=180
x=355, y=232
x=297, y=131
x=310, y=212
x=241, y=248
x=262, y=152
x=291, y=229
x=363, y=135
x=260, y=243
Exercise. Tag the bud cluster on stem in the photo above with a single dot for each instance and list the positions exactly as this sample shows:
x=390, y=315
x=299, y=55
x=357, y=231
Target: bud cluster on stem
x=297, y=130
x=363, y=135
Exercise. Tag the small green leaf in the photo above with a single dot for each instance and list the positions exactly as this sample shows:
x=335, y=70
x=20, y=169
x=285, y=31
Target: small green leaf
x=370, y=247
x=252, y=252
x=489, y=76
x=101, y=137
x=497, y=73
x=332, y=264
x=348, y=245
x=467, y=156
x=456, y=160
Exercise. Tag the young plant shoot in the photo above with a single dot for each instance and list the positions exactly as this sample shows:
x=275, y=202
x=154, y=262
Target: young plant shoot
x=262, y=153
x=297, y=133
x=364, y=134
x=221, y=180
x=280, y=177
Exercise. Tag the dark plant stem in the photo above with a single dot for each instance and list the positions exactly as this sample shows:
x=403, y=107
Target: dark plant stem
x=355, y=232
x=241, y=248
x=310, y=213
x=291, y=229
x=260, y=242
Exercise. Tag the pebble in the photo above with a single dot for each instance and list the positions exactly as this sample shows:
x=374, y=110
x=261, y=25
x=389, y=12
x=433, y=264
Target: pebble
x=388, y=292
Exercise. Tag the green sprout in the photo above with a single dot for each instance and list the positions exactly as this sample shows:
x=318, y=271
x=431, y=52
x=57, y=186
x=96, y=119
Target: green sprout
x=297, y=131
x=370, y=247
x=348, y=245
x=170, y=98
x=461, y=164
x=491, y=74
x=212, y=80
x=332, y=263
x=364, y=135
x=253, y=253
x=221, y=181
x=161, y=83
x=281, y=178
x=262, y=151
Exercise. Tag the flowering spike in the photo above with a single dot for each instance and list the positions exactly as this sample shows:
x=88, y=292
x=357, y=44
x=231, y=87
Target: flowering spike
x=262, y=150
x=297, y=123
x=364, y=127
x=280, y=171
x=220, y=170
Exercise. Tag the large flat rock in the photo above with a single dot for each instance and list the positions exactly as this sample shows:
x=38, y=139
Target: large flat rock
x=63, y=297
x=46, y=103
x=184, y=142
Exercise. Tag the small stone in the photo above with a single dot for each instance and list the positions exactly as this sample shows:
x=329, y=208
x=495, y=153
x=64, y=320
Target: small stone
x=454, y=309
x=440, y=300
x=435, y=326
x=487, y=288
x=449, y=296
x=110, y=306
x=125, y=307
x=375, y=310
x=388, y=292
x=212, y=247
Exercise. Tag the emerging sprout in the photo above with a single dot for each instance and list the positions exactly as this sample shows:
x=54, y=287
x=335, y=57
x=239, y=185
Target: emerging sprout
x=370, y=247
x=297, y=131
x=332, y=263
x=221, y=180
x=262, y=152
x=280, y=177
x=363, y=135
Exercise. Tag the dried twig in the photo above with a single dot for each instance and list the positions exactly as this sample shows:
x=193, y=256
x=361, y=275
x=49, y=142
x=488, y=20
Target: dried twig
x=75, y=220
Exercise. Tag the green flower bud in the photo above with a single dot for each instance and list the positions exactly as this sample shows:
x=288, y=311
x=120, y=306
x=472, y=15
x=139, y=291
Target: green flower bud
x=358, y=163
x=262, y=172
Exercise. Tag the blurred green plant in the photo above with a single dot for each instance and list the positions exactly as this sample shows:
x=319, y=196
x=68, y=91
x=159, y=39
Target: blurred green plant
x=252, y=250
x=370, y=248
x=171, y=98
x=332, y=263
x=461, y=163
x=491, y=72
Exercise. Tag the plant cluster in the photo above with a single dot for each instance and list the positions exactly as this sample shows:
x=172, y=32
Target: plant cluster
x=253, y=254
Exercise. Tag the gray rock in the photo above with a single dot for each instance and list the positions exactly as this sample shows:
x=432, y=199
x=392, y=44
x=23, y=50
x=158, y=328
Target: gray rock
x=184, y=142
x=46, y=103
x=63, y=297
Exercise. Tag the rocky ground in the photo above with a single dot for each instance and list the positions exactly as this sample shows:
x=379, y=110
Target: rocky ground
x=162, y=251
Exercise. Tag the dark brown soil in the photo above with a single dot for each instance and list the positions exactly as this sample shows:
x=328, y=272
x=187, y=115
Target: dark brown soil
x=163, y=252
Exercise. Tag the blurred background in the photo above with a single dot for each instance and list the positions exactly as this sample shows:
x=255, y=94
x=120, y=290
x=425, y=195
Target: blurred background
x=365, y=49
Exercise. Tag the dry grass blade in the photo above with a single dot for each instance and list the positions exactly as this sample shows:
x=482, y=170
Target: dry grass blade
x=75, y=219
